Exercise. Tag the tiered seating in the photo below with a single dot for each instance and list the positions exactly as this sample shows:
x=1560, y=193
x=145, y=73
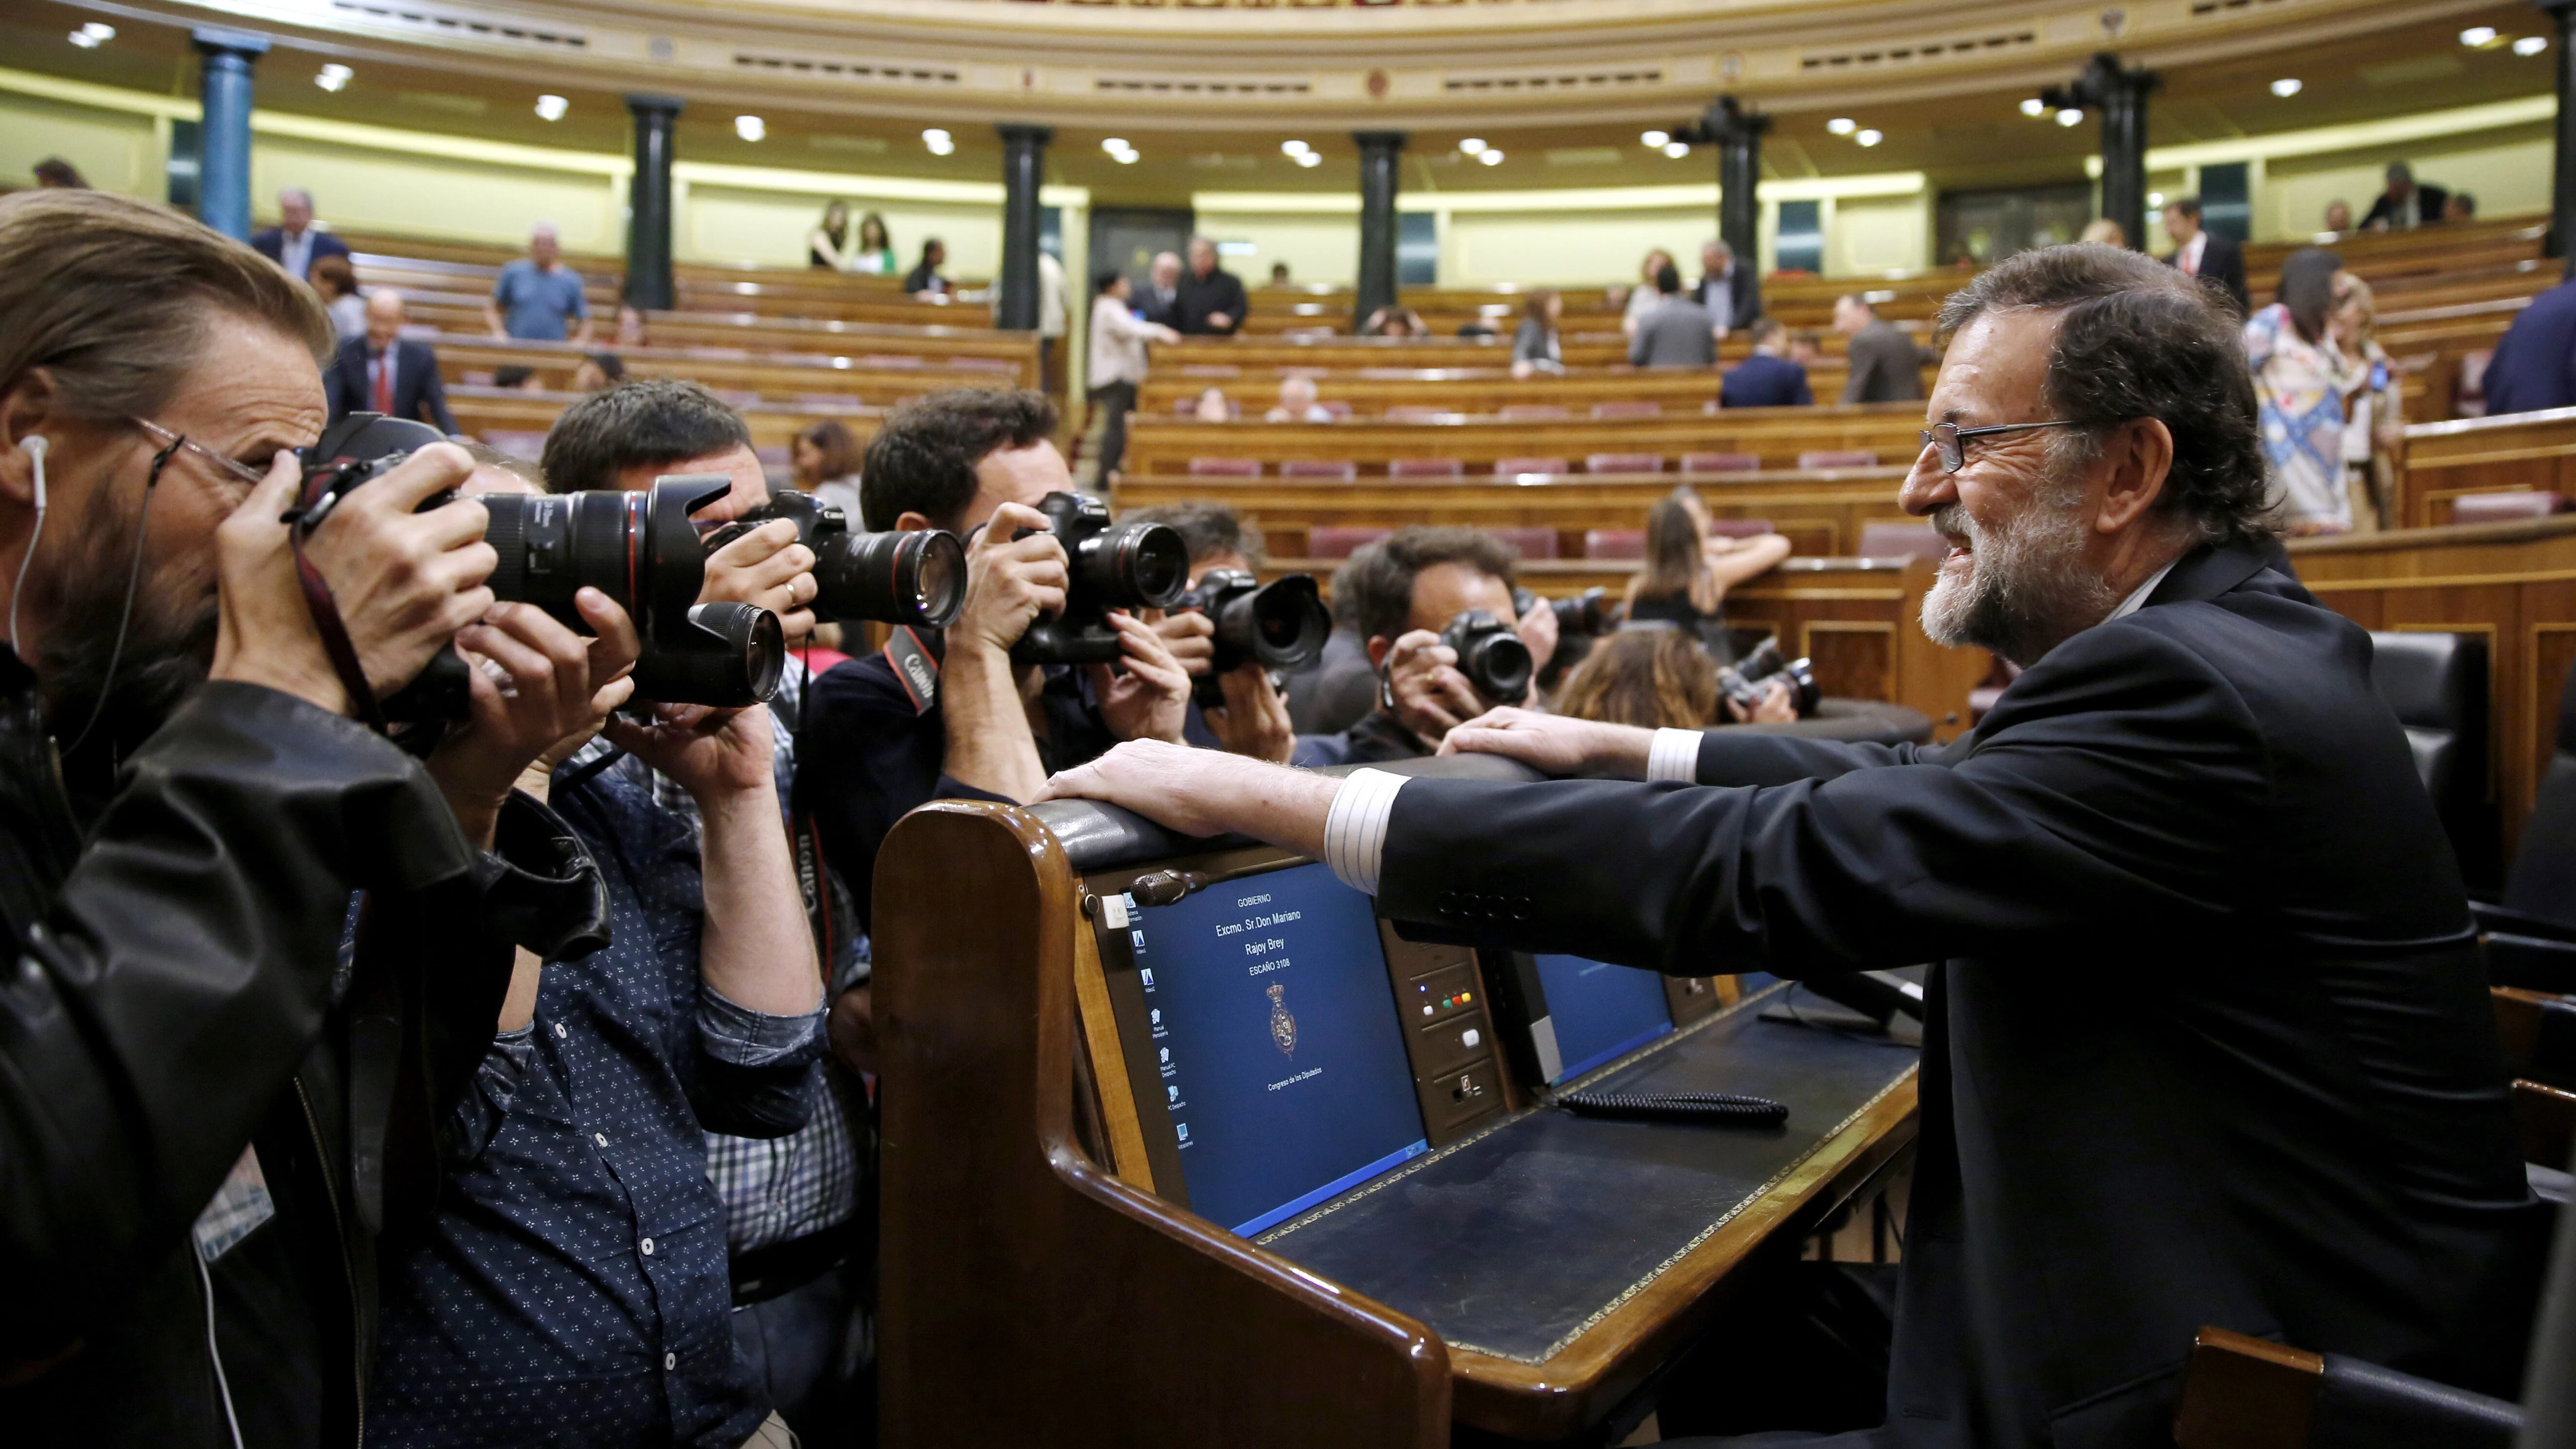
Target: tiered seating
x=1776, y=436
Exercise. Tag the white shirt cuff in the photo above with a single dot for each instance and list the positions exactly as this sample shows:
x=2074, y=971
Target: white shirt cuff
x=1674, y=755
x=1355, y=831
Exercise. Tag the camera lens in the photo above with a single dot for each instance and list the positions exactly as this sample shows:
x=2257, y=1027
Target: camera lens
x=1135, y=565
x=1499, y=665
x=550, y=547
x=899, y=578
x=731, y=655
x=1282, y=624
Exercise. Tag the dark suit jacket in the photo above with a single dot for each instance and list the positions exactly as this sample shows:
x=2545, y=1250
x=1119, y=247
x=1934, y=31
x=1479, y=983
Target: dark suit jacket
x=2211, y=1044
x=2534, y=367
x=272, y=245
x=2222, y=265
x=1764, y=381
x=2428, y=202
x=1218, y=291
x=1675, y=332
x=1744, y=296
x=1886, y=366
x=418, y=394
x=1155, y=309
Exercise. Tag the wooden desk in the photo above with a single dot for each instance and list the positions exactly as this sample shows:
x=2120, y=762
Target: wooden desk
x=782, y=377
x=2513, y=453
x=1165, y=445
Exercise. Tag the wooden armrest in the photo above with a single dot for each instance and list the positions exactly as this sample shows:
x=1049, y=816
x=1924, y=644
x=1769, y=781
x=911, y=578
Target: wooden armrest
x=2545, y=1118
x=2240, y=1392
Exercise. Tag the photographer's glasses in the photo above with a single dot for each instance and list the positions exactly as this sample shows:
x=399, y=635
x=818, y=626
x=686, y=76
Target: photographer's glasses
x=172, y=443
x=1952, y=439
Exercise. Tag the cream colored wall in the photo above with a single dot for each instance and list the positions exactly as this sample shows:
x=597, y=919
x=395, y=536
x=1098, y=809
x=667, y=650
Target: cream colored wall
x=2507, y=170
x=725, y=223
x=1317, y=248
x=1878, y=234
x=366, y=189
x=115, y=150
x=1571, y=247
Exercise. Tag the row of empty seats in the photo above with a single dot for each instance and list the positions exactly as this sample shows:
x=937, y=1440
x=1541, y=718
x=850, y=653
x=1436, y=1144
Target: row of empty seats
x=1691, y=464
x=1891, y=539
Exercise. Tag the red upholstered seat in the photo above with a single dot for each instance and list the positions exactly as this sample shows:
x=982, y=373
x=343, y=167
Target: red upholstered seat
x=2498, y=507
x=1343, y=470
x=1338, y=408
x=1891, y=539
x=979, y=364
x=827, y=400
x=775, y=455
x=878, y=361
x=1628, y=410
x=1528, y=542
x=1225, y=468
x=1838, y=458
x=1740, y=527
x=1425, y=468
x=1623, y=463
x=1210, y=369
x=1515, y=467
x=525, y=445
x=1614, y=543
x=1341, y=540
x=1409, y=414
x=1721, y=462
x=1532, y=413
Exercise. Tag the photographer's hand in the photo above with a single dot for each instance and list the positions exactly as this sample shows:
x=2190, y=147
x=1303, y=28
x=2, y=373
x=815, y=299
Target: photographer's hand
x=560, y=689
x=405, y=582
x=1554, y=743
x=1537, y=629
x=767, y=567
x=1009, y=583
x=1190, y=636
x=1150, y=701
x=1431, y=696
x=1254, y=719
x=1776, y=706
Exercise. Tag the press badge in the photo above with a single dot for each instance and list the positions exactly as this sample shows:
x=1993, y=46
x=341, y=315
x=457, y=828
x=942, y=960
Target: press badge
x=239, y=1207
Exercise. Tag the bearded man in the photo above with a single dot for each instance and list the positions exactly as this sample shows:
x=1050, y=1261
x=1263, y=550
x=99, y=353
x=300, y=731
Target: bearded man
x=2209, y=1041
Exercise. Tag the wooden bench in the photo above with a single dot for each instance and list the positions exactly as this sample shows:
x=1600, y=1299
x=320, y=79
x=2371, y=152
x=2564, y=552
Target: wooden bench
x=2517, y=452
x=1165, y=445
x=800, y=378
x=1472, y=389
x=458, y=313
x=485, y=411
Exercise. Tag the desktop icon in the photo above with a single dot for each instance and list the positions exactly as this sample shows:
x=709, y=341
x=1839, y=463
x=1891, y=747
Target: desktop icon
x=1184, y=1129
x=1167, y=1054
x=1145, y=977
x=1172, y=1093
x=1156, y=1016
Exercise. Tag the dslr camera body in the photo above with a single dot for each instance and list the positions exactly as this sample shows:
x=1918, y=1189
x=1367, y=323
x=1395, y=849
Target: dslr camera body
x=1492, y=657
x=1108, y=566
x=1744, y=680
x=1283, y=624
x=640, y=549
x=914, y=578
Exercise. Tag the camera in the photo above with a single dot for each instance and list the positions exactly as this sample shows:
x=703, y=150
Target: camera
x=640, y=549
x=1282, y=624
x=1589, y=612
x=1110, y=566
x=1492, y=657
x=1743, y=680
x=896, y=578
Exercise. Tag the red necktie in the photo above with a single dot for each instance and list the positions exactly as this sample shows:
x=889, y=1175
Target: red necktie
x=385, y=382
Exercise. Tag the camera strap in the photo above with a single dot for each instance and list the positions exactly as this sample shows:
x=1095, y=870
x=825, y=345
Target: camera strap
x=326, y=610
x=916, y=664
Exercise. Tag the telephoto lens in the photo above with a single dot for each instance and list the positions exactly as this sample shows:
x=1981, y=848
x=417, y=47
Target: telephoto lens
x=1111, y=566
x=1492, y=657
x=1745, y=680
x=732, y=657
x=1282, y=624
x=1589, y=612
x=916, y=577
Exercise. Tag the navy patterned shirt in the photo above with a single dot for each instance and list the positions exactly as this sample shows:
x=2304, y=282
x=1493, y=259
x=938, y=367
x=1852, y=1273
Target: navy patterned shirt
x=572, y=1287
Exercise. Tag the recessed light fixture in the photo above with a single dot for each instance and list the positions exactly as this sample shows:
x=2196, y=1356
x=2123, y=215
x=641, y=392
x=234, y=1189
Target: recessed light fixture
x=1490, y=156
x=1473, y=146
x=1868, y=138
x=93, y=35
x=1126, y=157
x=2034, y=107
x=2478, y=37
x=1309, y=158
x=2070, y=117
x=939, y=141
x=2155, y=198
x=750, y=128
x=552, y=108
x=333, y=77
x=1842, y=125
x=1114, y=145
x=2531, y=45
x=1294, y=148
x=1677, y=149
x=1656, y=139
x=2285, y=87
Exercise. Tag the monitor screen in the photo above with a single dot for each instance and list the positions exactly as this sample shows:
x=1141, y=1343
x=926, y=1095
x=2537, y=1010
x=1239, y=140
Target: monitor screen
x=1600, y=1011
x=1274, y=1031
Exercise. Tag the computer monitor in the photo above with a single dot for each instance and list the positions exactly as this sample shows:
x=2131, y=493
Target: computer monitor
x=1278, y=1058
x=1563, y=1016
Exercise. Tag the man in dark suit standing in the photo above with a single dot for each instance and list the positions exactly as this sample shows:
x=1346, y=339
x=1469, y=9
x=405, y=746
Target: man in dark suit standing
x=2405, y=204
x=293, y=243
x=1727, y=288
x=1886, y=365
x=1675, y=332
x=1212, y=299
x=1159, y=300
x=2202, y=253
x=1767, y=379
x=382, y=372
x=2209, y=1043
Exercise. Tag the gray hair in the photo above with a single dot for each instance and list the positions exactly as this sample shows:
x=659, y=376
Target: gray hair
x=295, y=193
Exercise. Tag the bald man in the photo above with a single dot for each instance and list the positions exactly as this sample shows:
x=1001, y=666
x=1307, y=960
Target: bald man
x=382, y=372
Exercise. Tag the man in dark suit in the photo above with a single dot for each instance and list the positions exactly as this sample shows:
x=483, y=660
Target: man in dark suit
x=2405, y=203
x=1886, y=365
x=1727, y=288
x=293, y=243
x=2534, y=367
x=2209, y=1043
x=383, y=373
x=1767, y=379
x=1212, y=299
x=1159, y=300
x=2200, y=252
x=1675, y=332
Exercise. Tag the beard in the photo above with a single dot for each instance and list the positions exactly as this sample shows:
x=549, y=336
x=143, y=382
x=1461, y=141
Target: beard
x=2020, y=588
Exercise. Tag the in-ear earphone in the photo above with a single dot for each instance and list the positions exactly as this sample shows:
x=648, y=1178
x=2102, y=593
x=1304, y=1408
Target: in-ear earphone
x=35, y=446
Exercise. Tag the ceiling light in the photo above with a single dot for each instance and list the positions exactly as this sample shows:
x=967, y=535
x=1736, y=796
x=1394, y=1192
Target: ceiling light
x=1656, y=139
x=1868, y=138
x=1126, y=157
x=1472, y=146
x=332, y=77
x=93, y=35
x=750, y=128
x=2034, y=107
x=552, y=108
x=1294, y=148
x=1114, y=145
x=2285, y=87
x=939, y=141
x=1309, y=158
x=2070, y=117
x=2478, y=36
x=1842, y=125
x=1490, y=157
x=1676, y=149
x=2155, y=198
x=2531, y=45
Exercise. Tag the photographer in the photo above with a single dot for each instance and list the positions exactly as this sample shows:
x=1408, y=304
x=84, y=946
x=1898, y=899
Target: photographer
x=1401, y=593
x=1254, y=718
x=178, y=1040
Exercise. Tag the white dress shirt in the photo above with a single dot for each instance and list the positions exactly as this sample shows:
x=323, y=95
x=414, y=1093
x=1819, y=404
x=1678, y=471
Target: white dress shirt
x=2187, y=259
x=295, y=252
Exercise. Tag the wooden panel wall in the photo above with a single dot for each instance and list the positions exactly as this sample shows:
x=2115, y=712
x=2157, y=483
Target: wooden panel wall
x=2513, y=453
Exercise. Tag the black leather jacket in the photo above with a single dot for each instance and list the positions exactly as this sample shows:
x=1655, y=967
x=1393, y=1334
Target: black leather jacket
x=179, y=992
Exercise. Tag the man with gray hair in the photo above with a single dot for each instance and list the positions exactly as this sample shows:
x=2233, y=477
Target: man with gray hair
x=2208, y=1042
x=2406, y=203
x=1728, y=289
x=293, y=243
x=1212, y=300
x=537, y=297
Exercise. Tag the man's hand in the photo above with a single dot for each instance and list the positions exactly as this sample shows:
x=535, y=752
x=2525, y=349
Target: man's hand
x=1253, y=721
x=767, y=567
x=1191, y=637
x=405, y=582
x=1431, y=696
x=715, y=755
x=1009, y=582
x=1554, y=743
x=554, y=687
x=1220, y=320
x=1206, y=792
x=1774, y=706
x=1150, y=701
x=1537, y=629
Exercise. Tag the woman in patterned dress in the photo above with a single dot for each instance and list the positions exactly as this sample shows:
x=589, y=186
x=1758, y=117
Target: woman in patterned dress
x=2300, y=379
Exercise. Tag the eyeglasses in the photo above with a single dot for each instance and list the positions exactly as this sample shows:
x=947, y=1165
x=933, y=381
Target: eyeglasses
x=1952, y=439
x=179, y=442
